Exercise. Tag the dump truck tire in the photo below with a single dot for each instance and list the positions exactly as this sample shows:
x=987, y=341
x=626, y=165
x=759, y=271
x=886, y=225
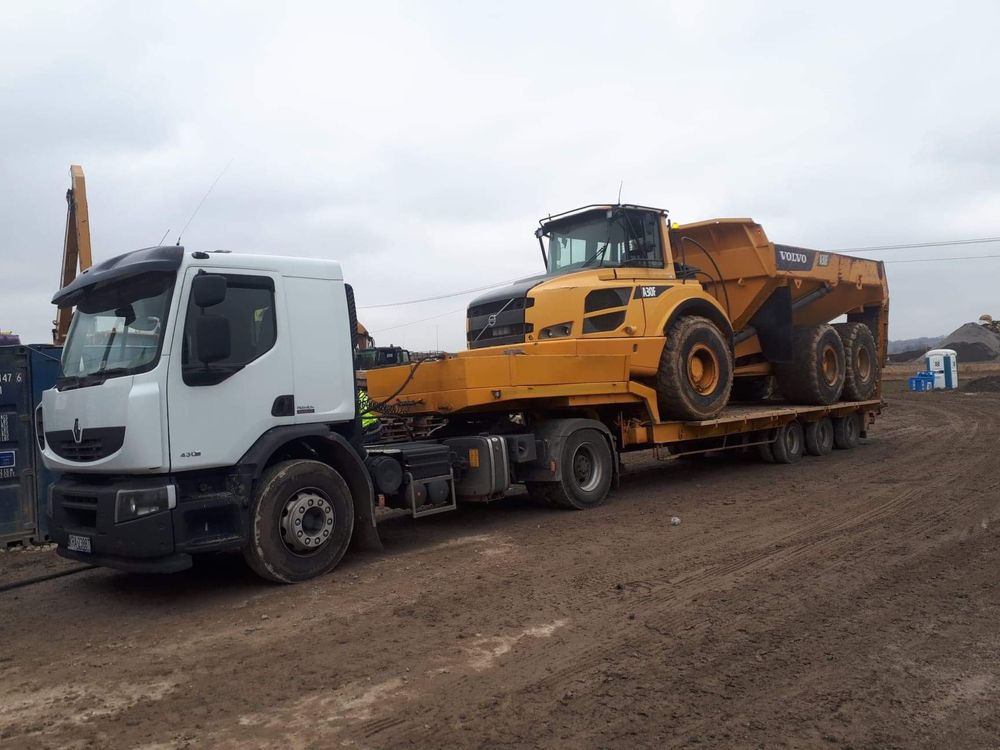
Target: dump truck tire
x=847, y=431
x=819, y=437
x=587, y=473
x=755, y=388
x=696, y=370
x=789, y=444
x=301, y=521
x=816, y=374
x=862, y=370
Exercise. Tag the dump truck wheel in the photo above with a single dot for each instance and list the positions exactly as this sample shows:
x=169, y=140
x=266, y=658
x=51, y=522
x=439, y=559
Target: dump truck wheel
x=816, y=374
x=755, y=388
x=789, y=444
x=847, y=431
x=862, y=371
x=696, y=370
x=819, y=437
x=587, y=473
x=301, y=521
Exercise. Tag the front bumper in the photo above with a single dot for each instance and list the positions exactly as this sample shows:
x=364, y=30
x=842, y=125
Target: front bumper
x=207, y=518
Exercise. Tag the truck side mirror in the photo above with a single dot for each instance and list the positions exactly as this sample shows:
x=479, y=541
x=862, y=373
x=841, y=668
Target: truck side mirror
x=212, y=337
x=208, y=289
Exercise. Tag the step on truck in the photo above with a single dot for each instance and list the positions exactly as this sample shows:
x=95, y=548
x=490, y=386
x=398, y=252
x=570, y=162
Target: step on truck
x=207, y=401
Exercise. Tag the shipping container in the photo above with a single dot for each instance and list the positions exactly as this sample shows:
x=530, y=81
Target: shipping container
x=25, y=371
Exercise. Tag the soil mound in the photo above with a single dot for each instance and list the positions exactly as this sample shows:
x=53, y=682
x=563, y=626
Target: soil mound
x=986, y=384
x=973, y=343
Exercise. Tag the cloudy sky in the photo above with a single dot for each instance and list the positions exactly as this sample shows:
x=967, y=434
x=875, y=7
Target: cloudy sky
x=418, y=143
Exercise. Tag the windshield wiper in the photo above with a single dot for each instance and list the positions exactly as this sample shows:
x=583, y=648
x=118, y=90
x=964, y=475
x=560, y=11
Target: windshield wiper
x=599, y=255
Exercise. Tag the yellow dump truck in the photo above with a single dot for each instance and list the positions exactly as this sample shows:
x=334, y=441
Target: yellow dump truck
x=643, y=332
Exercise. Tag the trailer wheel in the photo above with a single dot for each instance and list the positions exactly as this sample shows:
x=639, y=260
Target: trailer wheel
x=862, y=372
x=587, y=473
x=755, y=388
x=696, y=370
x=301, y=521
x=816, y=374
x=847, y=431
x=789, y=444
x=819, y=437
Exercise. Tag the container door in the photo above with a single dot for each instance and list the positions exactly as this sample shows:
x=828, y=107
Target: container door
x=17, y=449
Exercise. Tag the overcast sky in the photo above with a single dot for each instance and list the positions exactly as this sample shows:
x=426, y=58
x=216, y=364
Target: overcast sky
x=419, y=143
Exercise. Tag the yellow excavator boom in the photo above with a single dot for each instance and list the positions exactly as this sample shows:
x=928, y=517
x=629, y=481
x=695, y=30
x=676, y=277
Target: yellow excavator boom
x=76, y=245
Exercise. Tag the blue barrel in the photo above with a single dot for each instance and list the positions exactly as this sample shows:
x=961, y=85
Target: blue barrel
x=25, y=372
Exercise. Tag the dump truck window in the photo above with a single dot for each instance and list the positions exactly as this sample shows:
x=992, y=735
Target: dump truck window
x=593, y=241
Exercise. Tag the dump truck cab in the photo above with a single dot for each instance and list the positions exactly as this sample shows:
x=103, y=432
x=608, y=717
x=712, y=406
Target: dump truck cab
x=609, y=270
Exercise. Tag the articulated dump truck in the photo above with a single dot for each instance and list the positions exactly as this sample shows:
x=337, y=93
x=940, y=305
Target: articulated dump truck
x=207, y=402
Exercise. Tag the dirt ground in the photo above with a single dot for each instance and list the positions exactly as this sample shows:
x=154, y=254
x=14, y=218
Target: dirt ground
x=848, y=601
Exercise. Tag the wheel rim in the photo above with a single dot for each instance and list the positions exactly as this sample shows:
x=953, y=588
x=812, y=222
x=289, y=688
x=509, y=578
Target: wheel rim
x=307, y=521
x=793, y=442
x=830, y=368
x=864, y=364
x=703, y=369
x=587, y=469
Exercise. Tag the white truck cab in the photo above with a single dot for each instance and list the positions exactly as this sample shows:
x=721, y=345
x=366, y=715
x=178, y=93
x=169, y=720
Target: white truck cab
x=182, y=373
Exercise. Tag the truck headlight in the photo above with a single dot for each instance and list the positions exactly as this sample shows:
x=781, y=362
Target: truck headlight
x=132, y=504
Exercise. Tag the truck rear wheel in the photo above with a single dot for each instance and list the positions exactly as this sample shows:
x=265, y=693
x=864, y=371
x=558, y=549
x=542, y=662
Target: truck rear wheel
x=789, y=444
x=301, y=521
x=847, y=431
x=587, y=473
x=816, y=374
x=754, y=388
x=696, y=370
x=819, y=437
x=861, y=376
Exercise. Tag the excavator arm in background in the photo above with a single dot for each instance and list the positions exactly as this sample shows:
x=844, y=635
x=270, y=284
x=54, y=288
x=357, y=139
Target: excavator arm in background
x=76, y=245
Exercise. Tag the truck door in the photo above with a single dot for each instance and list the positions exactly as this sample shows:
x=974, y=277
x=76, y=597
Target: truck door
x=216, y=410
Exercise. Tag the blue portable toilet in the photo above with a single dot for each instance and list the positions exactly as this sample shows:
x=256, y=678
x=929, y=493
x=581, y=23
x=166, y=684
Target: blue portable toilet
x=25, y=372
x=943, y=363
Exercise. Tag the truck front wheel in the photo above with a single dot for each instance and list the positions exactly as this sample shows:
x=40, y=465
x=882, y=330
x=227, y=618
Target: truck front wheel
x=301, y=521
x=696, y=370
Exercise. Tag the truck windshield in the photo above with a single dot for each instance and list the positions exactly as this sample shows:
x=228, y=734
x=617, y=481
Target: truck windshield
x=615, y=238
x=117, y=329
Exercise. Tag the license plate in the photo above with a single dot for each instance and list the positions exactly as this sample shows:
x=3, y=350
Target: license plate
x=79, y=543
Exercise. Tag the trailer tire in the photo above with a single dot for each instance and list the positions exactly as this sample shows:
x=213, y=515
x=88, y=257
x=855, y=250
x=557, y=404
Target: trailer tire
x=789, y=443
x=862, y=371
x=819, y=437
x=816, y=373
x=847, y=431
x=587, y=473
x=301, y=521
x=695, y=374
x=755, y=388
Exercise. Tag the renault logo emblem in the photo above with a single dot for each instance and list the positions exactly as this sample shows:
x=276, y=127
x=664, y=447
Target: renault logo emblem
x=77, y=432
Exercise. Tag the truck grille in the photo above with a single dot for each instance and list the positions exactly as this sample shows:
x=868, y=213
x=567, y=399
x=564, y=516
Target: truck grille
x=498, y=322
x=95, y=443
